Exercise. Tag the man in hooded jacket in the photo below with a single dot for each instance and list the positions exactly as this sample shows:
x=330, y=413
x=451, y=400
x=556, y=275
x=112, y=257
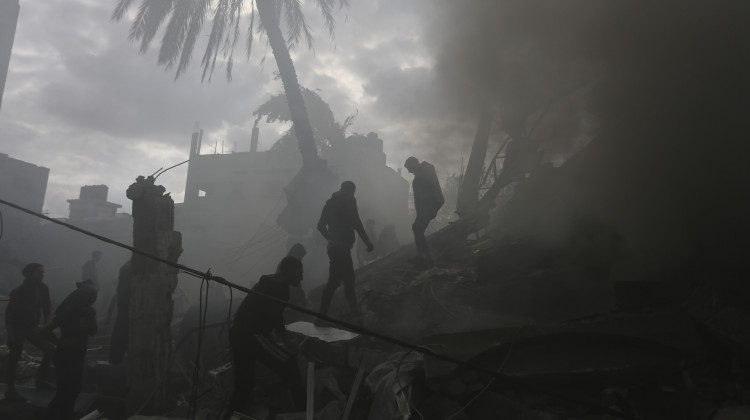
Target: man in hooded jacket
x=338, y=222
x=76, y=319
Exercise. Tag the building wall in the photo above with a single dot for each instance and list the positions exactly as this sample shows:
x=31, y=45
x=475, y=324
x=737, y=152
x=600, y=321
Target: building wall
x=228, y=219
x=8, y=18
x=24, y=184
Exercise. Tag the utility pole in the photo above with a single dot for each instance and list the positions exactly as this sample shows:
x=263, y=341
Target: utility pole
x=150, y=312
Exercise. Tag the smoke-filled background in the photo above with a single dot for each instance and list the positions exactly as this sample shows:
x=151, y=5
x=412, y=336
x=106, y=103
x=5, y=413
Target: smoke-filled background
x=657, y=90
x=640, y=106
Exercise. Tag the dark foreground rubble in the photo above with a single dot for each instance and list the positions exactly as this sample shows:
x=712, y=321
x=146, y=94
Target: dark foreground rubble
x=633, y=351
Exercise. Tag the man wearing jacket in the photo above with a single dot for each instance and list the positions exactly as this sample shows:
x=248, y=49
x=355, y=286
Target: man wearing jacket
x=258, y=333
x=28, y=304
x=76, y=319
x=338, y=222
x=428, y=199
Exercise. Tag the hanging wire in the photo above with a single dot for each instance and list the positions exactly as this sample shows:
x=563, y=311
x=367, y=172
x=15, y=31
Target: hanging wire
x=343, y=324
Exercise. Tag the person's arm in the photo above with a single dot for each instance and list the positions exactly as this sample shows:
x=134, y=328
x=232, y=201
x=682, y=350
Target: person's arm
x=46, y=304
x=360, y=228
x=323, y=223
x=48, y=327
x=92, y=326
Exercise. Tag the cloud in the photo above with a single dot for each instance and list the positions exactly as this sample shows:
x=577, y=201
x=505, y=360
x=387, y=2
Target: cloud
x=82, y=102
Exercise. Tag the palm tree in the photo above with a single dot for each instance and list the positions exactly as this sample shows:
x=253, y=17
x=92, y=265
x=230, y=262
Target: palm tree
x=185, y=20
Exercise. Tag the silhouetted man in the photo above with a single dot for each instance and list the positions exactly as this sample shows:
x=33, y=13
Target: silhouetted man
x=28, y=304
x=256, y=331
x=338, y=221
x=119, y=339
x=428, y=198
x=89, y=269
x=76, y=319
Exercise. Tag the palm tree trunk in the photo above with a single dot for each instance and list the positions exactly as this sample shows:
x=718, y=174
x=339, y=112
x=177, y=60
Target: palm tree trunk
x=300, y=120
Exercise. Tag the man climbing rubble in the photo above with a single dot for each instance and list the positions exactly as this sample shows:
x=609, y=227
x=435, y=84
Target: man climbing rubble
x=338, y=222
x=258, y=333
x=28, y=304
x=428, y=199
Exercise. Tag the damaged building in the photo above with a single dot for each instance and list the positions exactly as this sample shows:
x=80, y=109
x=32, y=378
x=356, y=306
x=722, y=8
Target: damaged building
x=232, y=201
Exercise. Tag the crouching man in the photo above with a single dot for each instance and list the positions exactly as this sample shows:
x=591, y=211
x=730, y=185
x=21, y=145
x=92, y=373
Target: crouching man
x=251, y=337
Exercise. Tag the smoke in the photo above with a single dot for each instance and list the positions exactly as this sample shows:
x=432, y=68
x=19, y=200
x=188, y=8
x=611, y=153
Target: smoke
x=661, y=87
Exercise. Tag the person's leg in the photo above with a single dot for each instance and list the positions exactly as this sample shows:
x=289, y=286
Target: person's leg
x=419, y=227
x=48, y=350
x=16, y=340
x=334, y=277
x=284, y=364
x=74, y=383
x=55, y=407
x=244, y=377
x=347, y=275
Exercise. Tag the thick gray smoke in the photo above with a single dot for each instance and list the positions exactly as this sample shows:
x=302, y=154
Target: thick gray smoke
x=667, y=84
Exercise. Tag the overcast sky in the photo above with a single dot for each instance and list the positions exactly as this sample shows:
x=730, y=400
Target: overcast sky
x=81, y=101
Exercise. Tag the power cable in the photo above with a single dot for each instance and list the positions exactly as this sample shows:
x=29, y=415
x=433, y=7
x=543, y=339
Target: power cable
x=492, y=380
x=346, y=325
x=160, y=172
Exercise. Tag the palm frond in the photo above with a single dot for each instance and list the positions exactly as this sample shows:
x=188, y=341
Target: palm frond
x=156, y=13
x=233, y=35
x=235, y=12
x=296, y=24
x=326, y=9
x=230, y=64
x=197, y=19
x=214, y=39
x=174, y=35
x=137, y=27
x=120, y=9
x=249, y=48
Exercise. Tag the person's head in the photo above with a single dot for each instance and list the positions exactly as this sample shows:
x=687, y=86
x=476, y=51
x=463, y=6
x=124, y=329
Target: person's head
x=411, y=164
x=96, y=256
x=86, y=293
x=297, y=251
x=33, y=272
x=348, y=188
x=290, y=269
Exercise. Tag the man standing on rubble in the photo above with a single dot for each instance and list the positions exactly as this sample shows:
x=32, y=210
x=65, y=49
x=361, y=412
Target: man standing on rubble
x=89, y=270
x=428, y=199
x=28, y=304
x=258, y=333
x=76, y=319
x=338, y=221
x=120, y=332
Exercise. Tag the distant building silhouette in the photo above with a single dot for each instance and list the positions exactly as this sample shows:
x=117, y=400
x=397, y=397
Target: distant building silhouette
x=24, y=184
x=8, y=19
x=92, y=204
